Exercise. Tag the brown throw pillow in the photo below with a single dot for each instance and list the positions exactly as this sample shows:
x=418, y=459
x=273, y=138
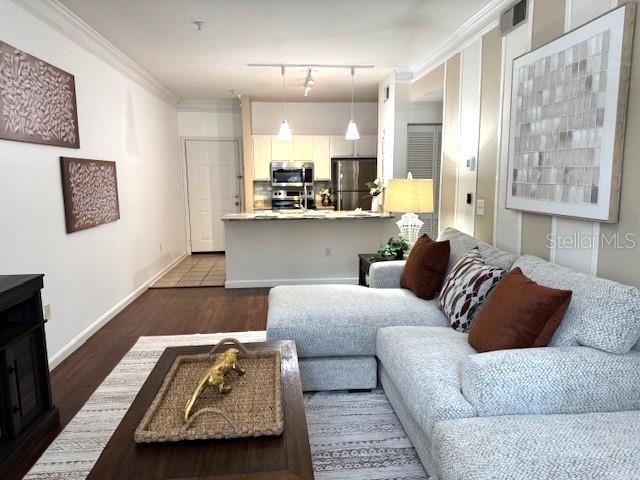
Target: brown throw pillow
x=519, y=313
x=425, y=267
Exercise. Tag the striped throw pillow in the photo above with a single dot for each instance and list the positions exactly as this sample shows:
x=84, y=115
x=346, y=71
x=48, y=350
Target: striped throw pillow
x=467, y=286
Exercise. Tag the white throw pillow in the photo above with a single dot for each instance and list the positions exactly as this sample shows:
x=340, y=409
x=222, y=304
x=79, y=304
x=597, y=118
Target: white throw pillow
x=466, y=288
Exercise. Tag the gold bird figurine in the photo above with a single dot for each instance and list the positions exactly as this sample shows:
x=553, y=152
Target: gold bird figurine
x=225, y=363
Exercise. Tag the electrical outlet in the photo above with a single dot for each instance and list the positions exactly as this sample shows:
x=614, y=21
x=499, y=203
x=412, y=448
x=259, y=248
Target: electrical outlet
x=47, y=312
x=327, y=252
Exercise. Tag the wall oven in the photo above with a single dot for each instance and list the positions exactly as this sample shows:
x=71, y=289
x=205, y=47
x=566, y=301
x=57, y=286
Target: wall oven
x=291, y=174
x=292, y=199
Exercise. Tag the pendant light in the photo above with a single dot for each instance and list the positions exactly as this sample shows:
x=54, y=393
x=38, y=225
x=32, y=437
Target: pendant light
x=285, y=130
x=352, y=128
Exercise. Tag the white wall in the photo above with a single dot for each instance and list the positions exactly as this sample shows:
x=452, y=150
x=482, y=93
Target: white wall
x=470, y=78
x=508, y=223
x=394, y=114
x=211, y=124
x=90, y=274
x=314, y=118
x=407, y=112
x=386, y=125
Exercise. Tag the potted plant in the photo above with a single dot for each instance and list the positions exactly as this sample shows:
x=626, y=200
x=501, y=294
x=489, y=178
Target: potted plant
x=393, y=250
x=375, y=191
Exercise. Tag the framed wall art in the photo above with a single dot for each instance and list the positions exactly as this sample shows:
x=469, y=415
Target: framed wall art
x=90, y=192
x=37, y=101
x=568, y=118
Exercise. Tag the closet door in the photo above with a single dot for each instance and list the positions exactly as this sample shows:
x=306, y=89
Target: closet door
x=424, y=151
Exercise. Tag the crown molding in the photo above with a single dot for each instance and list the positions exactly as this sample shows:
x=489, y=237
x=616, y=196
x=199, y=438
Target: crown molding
x=55, y=14
x=218, y=106
x=484, y=20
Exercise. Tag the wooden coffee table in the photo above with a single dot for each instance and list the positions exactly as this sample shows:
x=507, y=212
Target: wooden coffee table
x=286, y=456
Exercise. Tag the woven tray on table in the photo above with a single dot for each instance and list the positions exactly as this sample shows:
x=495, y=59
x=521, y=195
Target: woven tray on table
x=253, y=408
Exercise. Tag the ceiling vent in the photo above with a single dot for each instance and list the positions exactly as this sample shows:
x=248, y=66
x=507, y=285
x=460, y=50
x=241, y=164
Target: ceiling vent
x=515, y=16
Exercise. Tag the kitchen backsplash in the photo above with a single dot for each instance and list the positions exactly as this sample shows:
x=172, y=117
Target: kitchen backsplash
x=262, y=193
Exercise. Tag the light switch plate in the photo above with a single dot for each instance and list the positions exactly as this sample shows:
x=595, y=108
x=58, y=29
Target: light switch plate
x=480, y=207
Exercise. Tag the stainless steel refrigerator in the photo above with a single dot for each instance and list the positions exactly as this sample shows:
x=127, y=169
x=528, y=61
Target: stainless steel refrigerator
x=350, y=177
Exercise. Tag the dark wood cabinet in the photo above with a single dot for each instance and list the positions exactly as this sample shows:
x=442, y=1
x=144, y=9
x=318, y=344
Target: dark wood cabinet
x=26, y=406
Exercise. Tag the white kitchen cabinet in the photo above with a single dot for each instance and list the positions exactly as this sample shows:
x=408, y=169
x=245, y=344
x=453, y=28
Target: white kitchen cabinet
x=341, y=147
x=367, y=146
x=303, y=148
x=281, y=150
x=322, y=157
x=261, y=157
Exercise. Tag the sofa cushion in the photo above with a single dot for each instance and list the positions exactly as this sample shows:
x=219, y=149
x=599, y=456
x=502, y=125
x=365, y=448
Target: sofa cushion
x=424, y=364
x=551, y=380
x=466, y=288
x=558, y=447
x=342, y=320
x=425, y=267
x=519, y=313
x=461, y=243
x=602, y=314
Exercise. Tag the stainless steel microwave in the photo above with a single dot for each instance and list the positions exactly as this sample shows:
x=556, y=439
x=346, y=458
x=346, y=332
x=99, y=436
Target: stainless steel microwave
x=291, y=174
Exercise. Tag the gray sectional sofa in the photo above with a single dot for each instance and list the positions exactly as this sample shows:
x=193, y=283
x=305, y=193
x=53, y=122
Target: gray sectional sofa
x=481, y=415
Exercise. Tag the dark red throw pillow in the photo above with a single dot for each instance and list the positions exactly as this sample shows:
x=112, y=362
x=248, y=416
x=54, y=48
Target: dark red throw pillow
x=519, y=313
x=425, y=267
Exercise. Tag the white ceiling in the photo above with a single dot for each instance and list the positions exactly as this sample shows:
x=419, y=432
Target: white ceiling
x=205, y=65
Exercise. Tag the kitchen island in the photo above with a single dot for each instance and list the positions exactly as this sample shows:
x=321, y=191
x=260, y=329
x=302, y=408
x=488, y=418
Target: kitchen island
x=265, y=249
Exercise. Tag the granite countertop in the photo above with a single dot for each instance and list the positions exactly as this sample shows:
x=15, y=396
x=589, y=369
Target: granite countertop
x=309, y=215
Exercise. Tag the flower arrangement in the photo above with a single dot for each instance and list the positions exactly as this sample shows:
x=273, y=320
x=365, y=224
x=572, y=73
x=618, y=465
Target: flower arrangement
x=393, y=249
x=325, y=196
x=376, y=187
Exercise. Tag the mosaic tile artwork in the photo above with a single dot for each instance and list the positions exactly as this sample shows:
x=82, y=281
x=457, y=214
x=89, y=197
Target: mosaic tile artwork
x=560, y=111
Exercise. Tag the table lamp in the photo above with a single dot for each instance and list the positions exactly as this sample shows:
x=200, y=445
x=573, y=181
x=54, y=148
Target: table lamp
x=409, y=196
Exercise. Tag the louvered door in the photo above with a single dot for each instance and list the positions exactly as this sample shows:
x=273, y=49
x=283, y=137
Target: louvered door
x=424, y=151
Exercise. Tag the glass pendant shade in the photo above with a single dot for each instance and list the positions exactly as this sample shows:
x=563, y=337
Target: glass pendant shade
x=352, y=128
x=352, y=131
x=285, y=131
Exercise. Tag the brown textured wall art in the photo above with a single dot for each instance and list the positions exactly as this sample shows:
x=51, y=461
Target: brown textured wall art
x=90, y=191
x=37, y=100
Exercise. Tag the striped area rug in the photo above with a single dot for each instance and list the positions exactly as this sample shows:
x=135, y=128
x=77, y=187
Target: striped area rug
x=353, y=436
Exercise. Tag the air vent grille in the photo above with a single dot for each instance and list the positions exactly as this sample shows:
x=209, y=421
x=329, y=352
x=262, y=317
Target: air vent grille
x=515, y=16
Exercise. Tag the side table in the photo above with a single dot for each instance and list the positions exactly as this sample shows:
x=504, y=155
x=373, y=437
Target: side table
x=364, y=262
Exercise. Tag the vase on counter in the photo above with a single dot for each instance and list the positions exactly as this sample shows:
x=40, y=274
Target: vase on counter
x=377, y=203
x=326, y=201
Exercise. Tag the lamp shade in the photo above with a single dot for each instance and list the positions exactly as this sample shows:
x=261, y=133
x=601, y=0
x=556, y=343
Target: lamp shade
x=408, y=195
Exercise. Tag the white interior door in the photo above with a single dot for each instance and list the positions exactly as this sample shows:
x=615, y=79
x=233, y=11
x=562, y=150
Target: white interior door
x=214, y=190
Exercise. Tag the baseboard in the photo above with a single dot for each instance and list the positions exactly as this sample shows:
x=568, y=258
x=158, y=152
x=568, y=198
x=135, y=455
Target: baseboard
x=78, y=340
x=267, y=283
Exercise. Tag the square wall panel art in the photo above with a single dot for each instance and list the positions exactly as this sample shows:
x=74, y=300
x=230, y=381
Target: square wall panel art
x=568, y=117
x=37, y=100
x=90, y=191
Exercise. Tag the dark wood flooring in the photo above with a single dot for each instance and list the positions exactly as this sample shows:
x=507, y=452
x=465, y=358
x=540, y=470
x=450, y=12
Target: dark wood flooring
x=175, y=311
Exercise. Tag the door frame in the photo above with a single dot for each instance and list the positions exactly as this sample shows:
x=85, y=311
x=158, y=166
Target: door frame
x=185, y=179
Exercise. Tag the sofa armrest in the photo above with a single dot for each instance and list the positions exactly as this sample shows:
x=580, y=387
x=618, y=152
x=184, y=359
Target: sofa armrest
x=386, y=274
x=551, y=380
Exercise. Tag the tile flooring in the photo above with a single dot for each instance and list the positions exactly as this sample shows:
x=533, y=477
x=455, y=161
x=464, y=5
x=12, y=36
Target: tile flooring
x=197, y=270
